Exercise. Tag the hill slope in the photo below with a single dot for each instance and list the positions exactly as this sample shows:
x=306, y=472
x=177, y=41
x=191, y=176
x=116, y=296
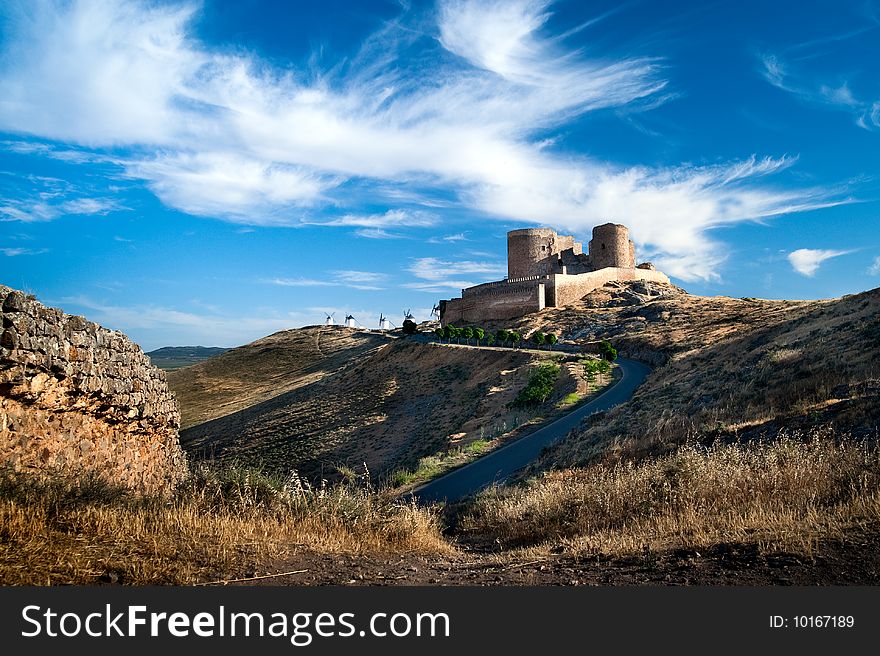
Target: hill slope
x=279, y=363
x=725, y=367
x=316, y=399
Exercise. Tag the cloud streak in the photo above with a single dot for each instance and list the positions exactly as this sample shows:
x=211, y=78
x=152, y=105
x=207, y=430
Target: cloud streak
x=837, y=95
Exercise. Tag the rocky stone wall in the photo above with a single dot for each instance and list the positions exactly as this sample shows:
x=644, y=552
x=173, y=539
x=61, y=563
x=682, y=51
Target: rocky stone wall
x=77, y=398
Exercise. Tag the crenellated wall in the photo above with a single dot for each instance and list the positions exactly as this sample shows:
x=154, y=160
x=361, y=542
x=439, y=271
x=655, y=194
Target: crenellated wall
x=78, y=398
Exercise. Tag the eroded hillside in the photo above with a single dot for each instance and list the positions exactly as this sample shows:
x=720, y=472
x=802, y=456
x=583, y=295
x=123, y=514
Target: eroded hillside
x=264, y=369
x=385, y=403
x=725, y=368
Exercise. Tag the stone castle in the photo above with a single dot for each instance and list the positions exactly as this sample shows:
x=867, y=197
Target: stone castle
x=549, y=270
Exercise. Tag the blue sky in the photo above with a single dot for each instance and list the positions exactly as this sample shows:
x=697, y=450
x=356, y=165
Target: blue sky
x=208, y=173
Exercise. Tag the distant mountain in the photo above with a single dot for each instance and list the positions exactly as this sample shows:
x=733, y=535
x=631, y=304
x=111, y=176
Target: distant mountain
x=175, y=357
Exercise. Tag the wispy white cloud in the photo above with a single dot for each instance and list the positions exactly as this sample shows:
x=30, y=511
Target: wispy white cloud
x=874, y=269
x=29, y=210
x=460, y=236
x=390, y=219
x=228, y=136
x=436, y=275
x=363, y=280
x=377, y=233
x=14, y=252
x=229, y=186
x=837, y=95
x=300, y=282
x=806, y=261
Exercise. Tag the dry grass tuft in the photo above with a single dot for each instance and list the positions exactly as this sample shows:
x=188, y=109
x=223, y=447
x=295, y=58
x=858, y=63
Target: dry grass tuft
x=786, y=494
x=220, y=524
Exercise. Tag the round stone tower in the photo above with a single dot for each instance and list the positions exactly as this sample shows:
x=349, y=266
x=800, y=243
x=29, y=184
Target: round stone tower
x=529, y=251
x=611, y=247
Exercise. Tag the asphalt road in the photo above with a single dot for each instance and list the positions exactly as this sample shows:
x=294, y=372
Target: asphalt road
x=498, y=465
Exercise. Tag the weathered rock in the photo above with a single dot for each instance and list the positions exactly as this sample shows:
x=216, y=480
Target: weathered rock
x=76, y=398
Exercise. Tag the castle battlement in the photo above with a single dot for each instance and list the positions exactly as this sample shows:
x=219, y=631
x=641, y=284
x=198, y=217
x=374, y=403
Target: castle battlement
x=545, y=269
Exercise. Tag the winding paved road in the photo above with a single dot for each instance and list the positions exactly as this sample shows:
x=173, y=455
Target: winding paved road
x=498, y=465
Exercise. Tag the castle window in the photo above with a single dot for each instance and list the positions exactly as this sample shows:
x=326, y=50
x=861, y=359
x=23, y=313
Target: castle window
x=543, y=248
x=603, y=247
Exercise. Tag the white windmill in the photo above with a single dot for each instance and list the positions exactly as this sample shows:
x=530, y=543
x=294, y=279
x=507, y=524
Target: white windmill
x=349, y=321
x=330, y=321
x=384, y=323
x=408, y=316
x=435, y=312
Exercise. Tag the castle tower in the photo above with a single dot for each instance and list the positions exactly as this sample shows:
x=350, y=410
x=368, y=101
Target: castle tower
x=529, y=251
x=535, y=251
x=611, y=247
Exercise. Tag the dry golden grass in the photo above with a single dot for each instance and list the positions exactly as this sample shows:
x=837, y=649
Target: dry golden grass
x=787, y=494
x=216, y=527
x=725, y=364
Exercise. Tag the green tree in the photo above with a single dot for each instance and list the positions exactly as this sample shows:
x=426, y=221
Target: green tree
x=540, y=385
x=479, y=334
x=439, y=333
x=593, y=366
x=607, y=352
x=409, y=327
x=490, y=338
x=467, y=332
x=502, y=336
x=551, y=339
x=515, y=337
x=538, y=338
x=449, y=332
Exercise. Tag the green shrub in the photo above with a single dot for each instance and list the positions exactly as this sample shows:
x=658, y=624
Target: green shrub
x=539, y=387
x=606, y=351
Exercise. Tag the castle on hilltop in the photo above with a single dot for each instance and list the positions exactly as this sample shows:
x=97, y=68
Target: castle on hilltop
x=549, y=270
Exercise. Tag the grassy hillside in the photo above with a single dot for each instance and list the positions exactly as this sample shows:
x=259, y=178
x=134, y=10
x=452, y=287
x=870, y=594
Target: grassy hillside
x=757, y=433
x=175, y=357
x=282, y=405
x=264, y=369
x=726, y=368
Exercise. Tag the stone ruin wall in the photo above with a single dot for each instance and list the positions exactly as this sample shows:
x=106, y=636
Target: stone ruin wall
x=570, y=289
x=499, y=302
x=77, y=398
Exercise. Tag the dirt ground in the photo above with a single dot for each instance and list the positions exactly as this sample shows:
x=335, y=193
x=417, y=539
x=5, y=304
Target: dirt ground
x=853, y=561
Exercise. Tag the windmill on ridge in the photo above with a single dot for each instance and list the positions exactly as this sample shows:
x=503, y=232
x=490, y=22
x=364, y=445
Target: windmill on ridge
x=435, y=312
x=384, y=323
x=350, y=321
x=330, y=321
x=408, y=316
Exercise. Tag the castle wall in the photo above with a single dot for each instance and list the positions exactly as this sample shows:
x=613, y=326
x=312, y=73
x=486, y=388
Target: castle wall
x=570, y=289
x=497, y=301
x=77, y=398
